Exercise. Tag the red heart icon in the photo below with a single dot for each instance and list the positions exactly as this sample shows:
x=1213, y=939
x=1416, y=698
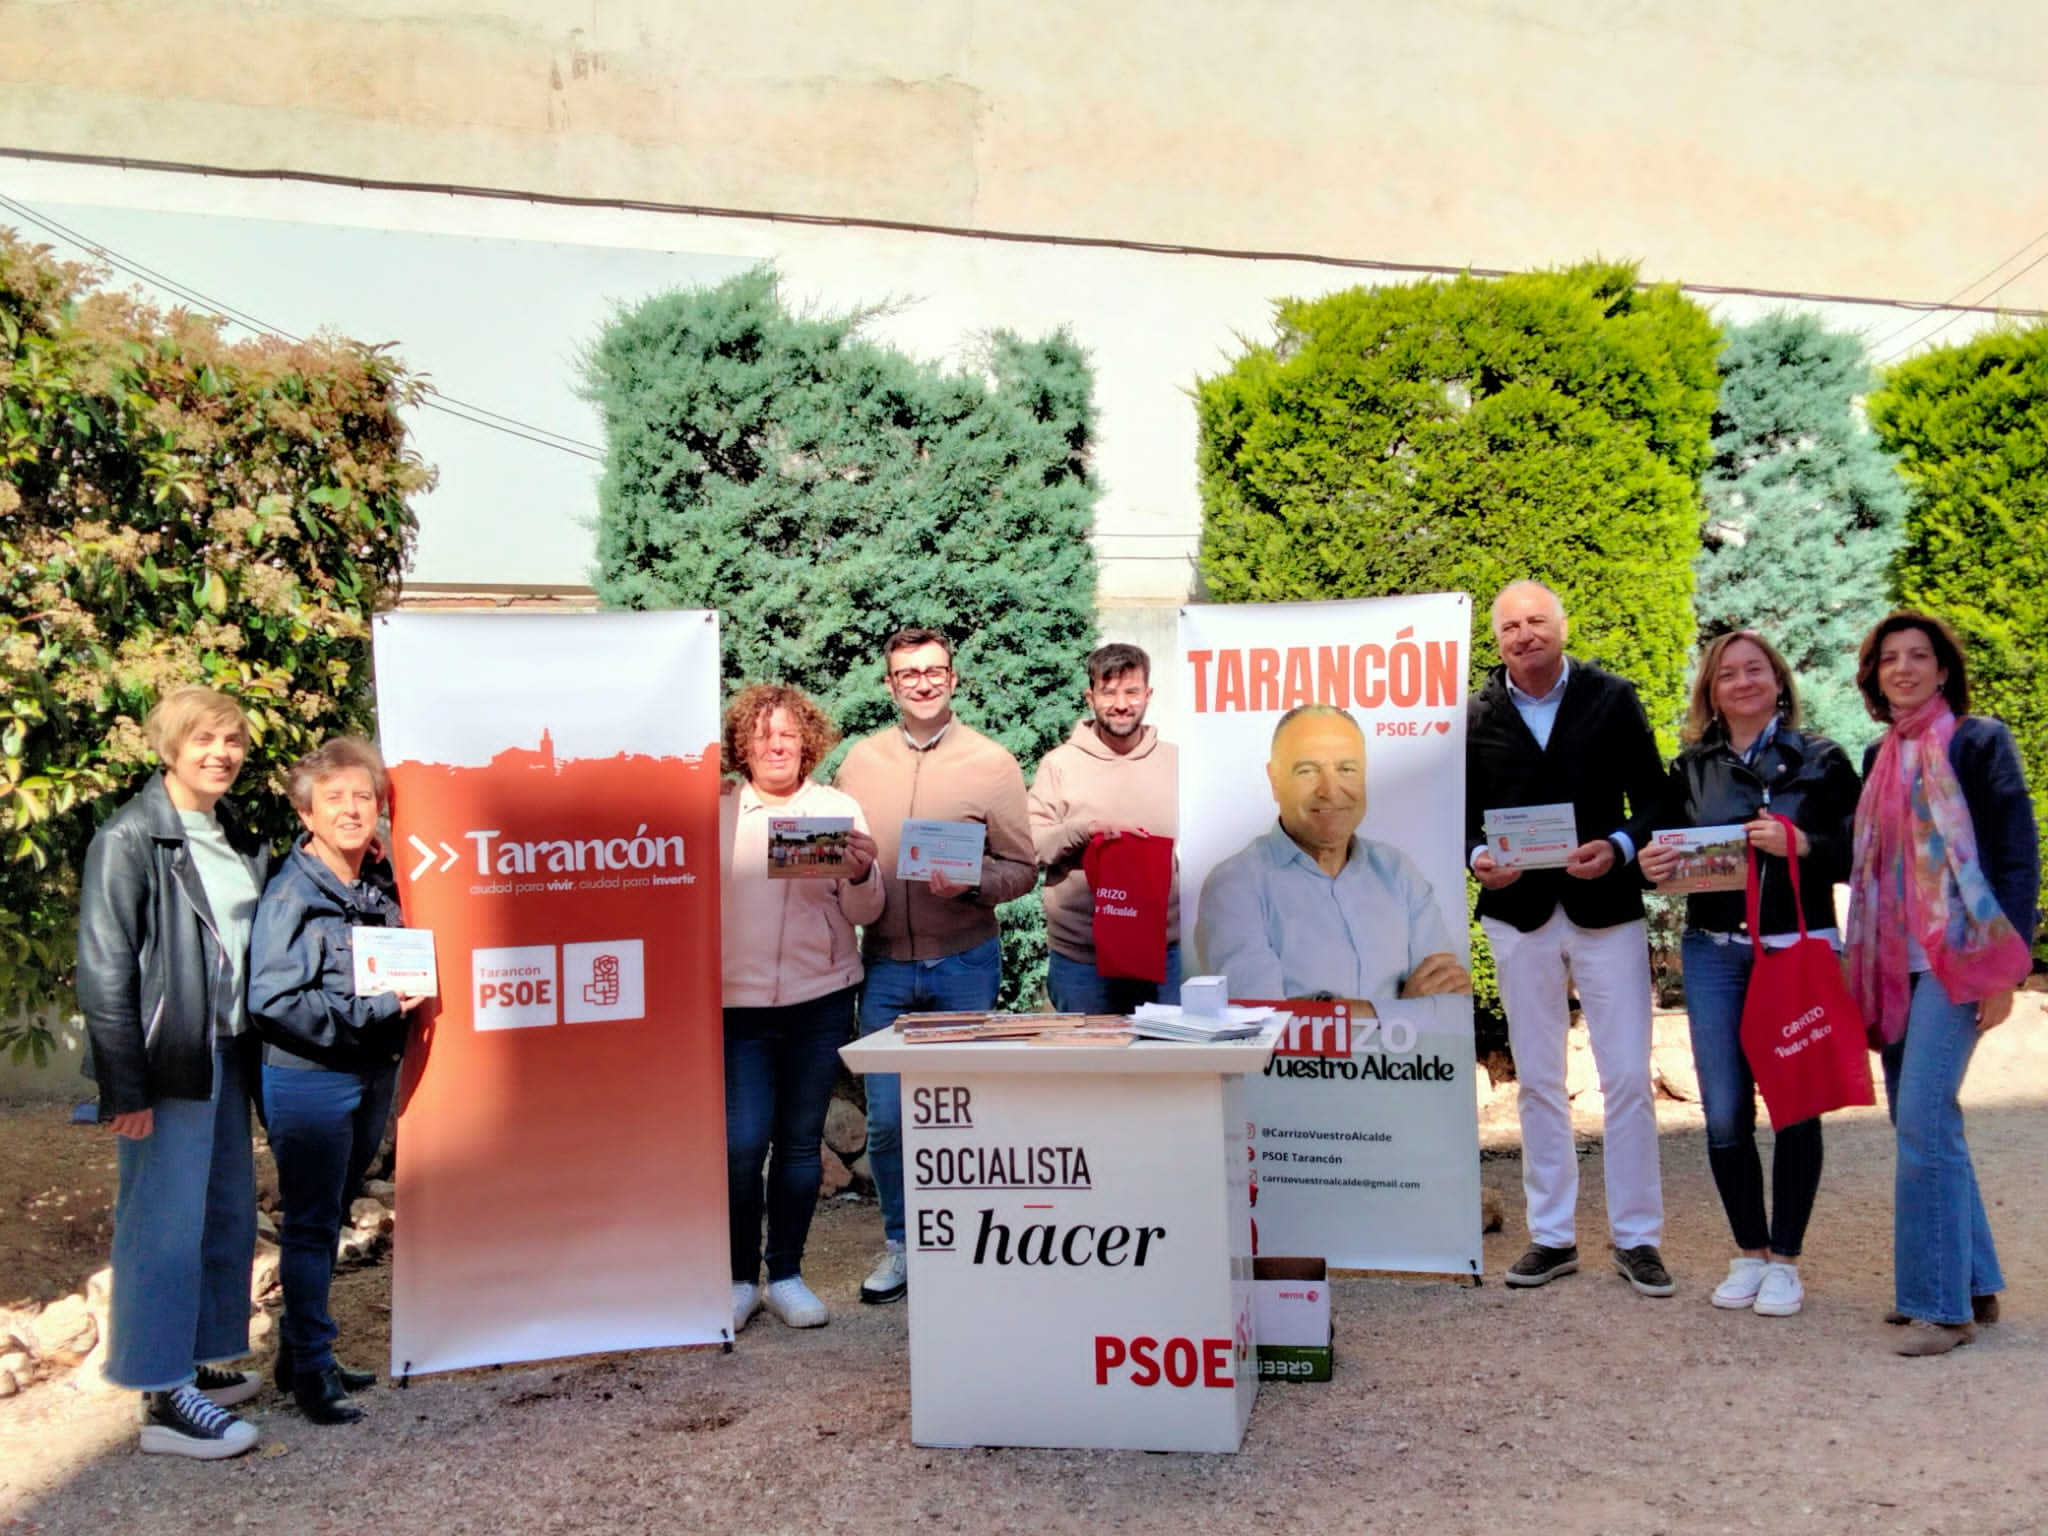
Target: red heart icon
x=1441, y=725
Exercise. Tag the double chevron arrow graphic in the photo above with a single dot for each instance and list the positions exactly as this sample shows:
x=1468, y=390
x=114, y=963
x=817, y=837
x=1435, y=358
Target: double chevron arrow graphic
x=428, y=855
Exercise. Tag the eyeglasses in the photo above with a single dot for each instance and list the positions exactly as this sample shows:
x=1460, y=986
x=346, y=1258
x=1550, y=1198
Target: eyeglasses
x=909, y=675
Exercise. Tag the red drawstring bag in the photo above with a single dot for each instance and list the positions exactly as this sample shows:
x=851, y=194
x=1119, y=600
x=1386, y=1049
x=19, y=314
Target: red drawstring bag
x=1801, y=1030
x=1132, y=877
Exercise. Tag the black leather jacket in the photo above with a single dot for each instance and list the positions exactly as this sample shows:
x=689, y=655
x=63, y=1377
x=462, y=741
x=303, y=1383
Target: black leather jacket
x=1804, y=777
x=153, y=981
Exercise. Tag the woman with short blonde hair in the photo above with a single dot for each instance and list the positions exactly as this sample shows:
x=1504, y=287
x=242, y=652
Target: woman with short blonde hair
x=168, y=894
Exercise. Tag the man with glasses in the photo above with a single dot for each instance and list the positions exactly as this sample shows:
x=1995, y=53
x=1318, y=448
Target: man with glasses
x=934, y=948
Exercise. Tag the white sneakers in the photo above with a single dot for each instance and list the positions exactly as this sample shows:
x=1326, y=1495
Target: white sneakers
x=746, y=1301
x=790, y=1300
x=891, y=1279
x=795, y=1303
x=1770, y=1289
x=1780, y=1294
x=1738, y=1291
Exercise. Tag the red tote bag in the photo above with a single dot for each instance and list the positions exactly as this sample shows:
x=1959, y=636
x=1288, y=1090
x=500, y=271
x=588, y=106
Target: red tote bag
x=1132, y=877
x=1801, y=1030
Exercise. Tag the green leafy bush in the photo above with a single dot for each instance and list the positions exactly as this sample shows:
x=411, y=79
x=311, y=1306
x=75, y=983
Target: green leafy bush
x=1969, y=425
x=1804, y=511
x=821, y=490
x=174, y=509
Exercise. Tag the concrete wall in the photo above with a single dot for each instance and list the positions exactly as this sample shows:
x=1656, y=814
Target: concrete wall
x=1873, y=147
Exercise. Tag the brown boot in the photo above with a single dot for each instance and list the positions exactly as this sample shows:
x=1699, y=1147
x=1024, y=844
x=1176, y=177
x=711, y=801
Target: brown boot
x=1925, y=1338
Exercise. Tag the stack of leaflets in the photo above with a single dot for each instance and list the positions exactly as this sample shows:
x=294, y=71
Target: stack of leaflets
x=1168, y=1021
x=1043, y=1028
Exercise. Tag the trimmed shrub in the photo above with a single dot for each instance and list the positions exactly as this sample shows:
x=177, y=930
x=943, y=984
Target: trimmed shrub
x=1804, y=511
x=1455, y=436
x=821, y=490
x=1969, y=425
x=174, y=509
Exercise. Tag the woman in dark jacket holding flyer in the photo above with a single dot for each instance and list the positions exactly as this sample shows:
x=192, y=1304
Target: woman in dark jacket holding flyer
x=1746, y=762
x=1942, y=911
x=330, y=1056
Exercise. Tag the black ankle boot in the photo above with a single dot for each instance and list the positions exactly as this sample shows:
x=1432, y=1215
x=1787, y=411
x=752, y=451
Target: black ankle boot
x=352, y=1381
x=323, y=1399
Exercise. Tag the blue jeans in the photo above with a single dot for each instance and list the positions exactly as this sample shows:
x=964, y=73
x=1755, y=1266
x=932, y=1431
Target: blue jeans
x=964, y=983
x=1077, y=987
x=184, y=1236
x=1716, y=980
x=1942, y=1253
x=324, y=1129
x=780, y=1065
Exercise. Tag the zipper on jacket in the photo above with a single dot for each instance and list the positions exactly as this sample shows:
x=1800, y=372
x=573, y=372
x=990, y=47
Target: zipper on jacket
x=910, y=928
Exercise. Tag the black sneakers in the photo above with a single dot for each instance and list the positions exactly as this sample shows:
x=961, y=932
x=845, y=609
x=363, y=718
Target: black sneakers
x=224, y=1389
x=182, y=1422
x=1541, y=1265
x=1643, y=1267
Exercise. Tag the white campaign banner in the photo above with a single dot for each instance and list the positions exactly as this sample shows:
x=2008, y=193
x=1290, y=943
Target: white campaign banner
x=1366, y=1126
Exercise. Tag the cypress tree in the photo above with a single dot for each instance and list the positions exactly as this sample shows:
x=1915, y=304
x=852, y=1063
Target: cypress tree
x=821, y=490
x=1804, y=511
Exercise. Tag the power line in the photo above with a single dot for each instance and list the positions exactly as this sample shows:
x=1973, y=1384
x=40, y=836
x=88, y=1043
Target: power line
x=1915, y=324
x=1952, y=319
x=906, y=226
x=434, y=399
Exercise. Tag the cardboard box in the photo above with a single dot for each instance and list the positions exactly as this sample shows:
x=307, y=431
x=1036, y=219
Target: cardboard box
x=1291, y=1316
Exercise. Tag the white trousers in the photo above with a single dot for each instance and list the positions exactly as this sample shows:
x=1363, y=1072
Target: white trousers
x=1611, y=967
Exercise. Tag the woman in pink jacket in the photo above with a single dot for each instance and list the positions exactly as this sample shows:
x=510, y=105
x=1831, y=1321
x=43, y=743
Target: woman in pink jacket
x=792, y=967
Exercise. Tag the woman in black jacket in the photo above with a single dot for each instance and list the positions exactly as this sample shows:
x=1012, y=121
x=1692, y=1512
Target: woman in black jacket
x=1746, y=762
x=330, y=1056
x=170, y=885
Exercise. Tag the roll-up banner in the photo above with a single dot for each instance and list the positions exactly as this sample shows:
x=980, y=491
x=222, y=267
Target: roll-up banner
x=1365, y=1126
x=561, y=1144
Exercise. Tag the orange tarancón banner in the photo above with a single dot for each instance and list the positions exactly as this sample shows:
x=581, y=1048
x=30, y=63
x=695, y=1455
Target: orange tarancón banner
x=561, y=1148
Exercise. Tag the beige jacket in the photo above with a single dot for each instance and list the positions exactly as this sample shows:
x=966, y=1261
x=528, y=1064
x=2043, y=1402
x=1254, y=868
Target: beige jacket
x=786, y=941
x=1080, y=782
x=963, y=776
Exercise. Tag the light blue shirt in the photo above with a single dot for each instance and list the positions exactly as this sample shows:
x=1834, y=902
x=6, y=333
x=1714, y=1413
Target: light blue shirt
x=1276, y=926
x=1539, y=713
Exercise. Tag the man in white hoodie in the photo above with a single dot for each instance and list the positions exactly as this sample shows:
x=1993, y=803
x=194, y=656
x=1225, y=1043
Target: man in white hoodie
x=1116, y=778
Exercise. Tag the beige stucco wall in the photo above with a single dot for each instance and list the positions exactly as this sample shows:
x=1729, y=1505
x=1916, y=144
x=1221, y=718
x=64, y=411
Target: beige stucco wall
x=1873, y=147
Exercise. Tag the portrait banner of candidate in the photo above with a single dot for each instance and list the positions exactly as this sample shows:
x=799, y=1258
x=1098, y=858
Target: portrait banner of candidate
x=1322, y=809
x=561, y=1144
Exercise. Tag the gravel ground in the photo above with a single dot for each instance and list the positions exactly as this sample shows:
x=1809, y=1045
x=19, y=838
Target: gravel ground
x=1577, y=1408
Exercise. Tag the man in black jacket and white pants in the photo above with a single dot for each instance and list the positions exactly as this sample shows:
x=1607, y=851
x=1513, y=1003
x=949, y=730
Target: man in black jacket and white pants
x=1546, y=729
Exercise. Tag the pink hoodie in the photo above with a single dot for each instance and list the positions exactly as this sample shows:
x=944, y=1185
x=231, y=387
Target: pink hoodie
x=1080, y=782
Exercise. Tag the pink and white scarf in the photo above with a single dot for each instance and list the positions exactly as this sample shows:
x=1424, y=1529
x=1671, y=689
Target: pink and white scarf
x=1916, y=874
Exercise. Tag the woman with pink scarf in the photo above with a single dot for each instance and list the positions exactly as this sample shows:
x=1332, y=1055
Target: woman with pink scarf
x=1943, y=892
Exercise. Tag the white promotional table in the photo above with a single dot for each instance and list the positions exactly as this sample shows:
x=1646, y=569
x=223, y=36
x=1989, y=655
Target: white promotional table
x=1079, y=1233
